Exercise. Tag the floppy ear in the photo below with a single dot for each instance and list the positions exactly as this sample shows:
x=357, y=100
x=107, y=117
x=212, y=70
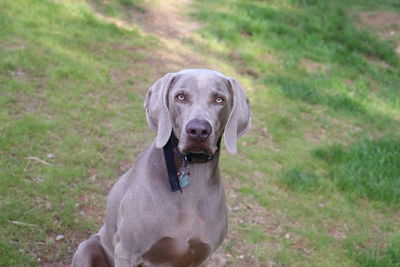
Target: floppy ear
x=157, y=112
x=240, y=117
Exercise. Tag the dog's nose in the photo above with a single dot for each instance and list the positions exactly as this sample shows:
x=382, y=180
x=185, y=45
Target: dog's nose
x=198, y=130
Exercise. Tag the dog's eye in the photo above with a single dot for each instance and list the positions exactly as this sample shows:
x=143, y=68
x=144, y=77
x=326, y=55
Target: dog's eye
x=219, y=100
x=180, y=97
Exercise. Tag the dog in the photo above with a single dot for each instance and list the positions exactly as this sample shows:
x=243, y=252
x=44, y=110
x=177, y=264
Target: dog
x=169, y=209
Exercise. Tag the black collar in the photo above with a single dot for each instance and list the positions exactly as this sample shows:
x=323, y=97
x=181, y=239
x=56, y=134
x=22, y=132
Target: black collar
x=191, y=157
x=170, y=150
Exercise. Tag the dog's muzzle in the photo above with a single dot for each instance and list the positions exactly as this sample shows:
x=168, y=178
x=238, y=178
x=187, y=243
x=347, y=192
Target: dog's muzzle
x=198, y=130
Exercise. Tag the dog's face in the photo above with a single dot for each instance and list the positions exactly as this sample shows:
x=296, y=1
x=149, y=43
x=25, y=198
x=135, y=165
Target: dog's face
x=198, y=106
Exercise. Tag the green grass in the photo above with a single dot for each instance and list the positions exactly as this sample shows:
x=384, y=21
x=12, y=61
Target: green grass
x=367, y=169
x=326, y=126
x=299, y=180
x=123, y=9
x=386, y=257
x=71, y=96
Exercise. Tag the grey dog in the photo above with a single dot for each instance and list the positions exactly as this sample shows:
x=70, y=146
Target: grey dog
x=152, y=221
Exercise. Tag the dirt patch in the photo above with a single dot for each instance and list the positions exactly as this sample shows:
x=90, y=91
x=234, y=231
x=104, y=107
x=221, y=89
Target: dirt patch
x=166, y=19
x=270, y=58
x=348, y=82
x=174, y=29
x=378, y=62
x=379, y=19
x=245, y=69
x=163, y=18
x=315, y=136
x=312, y=67
x=21, y=75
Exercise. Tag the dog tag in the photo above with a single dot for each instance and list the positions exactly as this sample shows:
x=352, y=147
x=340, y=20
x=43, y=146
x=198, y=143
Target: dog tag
x=184, y=178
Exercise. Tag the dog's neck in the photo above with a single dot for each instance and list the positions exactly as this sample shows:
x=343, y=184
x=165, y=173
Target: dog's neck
x=202, y=174
x=179, y=165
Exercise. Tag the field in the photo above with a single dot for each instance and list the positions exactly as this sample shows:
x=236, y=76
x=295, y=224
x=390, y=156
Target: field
x=316, y=181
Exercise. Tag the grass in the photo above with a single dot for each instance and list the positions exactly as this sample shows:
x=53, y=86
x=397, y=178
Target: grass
x=66, y=120
x=316, y=180
x=119, y=8
x=299, y=180
x=368, y=169
x=390, y=256
x=329, y=158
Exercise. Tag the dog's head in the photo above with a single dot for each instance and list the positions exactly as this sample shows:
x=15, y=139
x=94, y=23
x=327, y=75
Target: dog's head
x=198, y=106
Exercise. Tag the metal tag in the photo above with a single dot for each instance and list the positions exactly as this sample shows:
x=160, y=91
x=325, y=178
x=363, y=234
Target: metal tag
x=184, y=178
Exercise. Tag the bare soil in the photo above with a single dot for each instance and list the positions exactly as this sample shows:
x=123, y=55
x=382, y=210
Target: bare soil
x=313, y=66
x=165, y=19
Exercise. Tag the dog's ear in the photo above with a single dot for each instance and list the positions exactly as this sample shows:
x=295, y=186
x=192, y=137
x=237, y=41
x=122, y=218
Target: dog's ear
x=156, y=107
x=240, y=117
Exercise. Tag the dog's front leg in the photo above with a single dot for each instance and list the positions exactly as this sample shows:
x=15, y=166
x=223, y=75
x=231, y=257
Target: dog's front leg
x=124, y=257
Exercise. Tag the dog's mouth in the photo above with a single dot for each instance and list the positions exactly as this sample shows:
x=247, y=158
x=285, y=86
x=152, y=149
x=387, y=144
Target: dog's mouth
x=197, y=148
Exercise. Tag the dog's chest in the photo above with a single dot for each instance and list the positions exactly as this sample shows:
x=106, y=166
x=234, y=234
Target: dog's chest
x=191, y=236
x=168, y=252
